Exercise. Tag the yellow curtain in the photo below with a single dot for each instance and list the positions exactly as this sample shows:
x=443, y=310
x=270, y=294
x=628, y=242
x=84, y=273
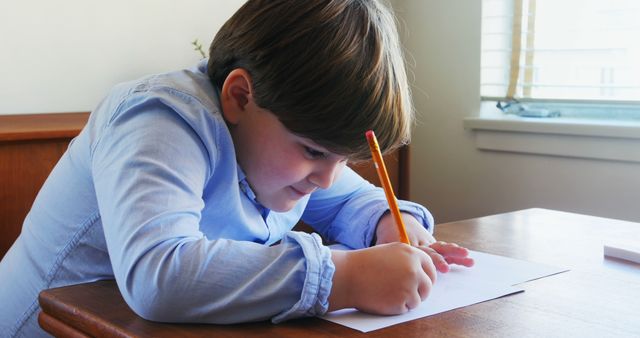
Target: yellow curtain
x=516, y=47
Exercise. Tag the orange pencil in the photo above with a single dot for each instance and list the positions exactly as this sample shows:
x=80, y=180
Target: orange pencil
x=386, y=185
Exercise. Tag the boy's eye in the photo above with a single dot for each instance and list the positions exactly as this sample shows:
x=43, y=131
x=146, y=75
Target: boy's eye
x=314, y=153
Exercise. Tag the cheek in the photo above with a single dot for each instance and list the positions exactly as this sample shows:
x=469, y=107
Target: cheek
x=277, y=170
x=286, y=173
x=292, y=169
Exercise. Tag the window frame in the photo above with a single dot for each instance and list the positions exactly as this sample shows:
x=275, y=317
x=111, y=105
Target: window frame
x=625, y=110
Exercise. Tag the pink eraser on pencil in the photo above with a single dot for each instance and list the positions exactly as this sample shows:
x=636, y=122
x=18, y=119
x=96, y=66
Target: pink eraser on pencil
x=628, y=252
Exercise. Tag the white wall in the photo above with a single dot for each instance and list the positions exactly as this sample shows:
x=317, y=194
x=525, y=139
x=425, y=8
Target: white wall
x=62, y=56
x=453, y=178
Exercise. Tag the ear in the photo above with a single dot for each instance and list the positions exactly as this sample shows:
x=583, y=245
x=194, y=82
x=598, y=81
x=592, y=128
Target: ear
x=236, y=93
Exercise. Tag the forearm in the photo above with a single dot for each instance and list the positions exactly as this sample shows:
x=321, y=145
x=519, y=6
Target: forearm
x=349, y=212
x=340, y=290
x=229, y=282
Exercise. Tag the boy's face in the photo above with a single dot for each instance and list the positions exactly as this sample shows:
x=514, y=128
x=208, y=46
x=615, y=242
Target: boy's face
x=280, y=166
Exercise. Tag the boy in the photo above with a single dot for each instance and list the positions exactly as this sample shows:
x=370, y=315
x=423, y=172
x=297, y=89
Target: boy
x=181, y=184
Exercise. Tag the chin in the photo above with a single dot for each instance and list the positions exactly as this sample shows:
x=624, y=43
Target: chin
x=279, y=206
x=280, y=202
x=283, y=207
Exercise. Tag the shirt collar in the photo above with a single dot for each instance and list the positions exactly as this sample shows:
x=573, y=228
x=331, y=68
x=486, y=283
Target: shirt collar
x=246, y=189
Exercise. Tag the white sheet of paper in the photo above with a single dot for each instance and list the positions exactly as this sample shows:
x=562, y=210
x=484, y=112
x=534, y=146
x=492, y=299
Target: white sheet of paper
x=505, y=270
x=491, y=277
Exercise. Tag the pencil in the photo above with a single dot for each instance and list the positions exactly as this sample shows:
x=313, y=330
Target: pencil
x=378, y=162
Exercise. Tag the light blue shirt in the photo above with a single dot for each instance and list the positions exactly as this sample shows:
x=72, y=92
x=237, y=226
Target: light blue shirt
x=150, y=194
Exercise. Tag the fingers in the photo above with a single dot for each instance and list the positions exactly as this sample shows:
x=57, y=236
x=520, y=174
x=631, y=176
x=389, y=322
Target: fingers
x=449, y=249
x=413, y=302
x=443, y=254
x=464, y=261
x=423, y=281
x=424, y=288
x=429, y=266
x=438, y=260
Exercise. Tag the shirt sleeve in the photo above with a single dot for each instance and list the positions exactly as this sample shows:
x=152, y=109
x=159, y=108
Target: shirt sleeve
x=149, y=168
x=349, y=211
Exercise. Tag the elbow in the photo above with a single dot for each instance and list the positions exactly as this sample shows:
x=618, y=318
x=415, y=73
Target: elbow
x=153, y=306
x=152, y=299
x=173, y=306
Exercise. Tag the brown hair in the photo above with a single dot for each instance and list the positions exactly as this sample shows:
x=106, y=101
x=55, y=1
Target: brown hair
x=328, y=69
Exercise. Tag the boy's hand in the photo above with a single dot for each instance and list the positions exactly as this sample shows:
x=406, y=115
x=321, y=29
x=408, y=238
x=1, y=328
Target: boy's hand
x=386, y=279
x=442, y=253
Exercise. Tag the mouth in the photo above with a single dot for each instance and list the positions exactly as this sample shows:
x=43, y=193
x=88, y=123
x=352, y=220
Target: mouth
x=300, y=193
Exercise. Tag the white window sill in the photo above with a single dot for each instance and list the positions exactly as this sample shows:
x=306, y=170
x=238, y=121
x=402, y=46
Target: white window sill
x=568, y=137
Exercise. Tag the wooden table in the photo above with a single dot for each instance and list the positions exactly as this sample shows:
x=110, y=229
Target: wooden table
x=599, y=297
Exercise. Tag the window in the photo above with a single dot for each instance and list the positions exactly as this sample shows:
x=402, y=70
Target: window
x=563, y=57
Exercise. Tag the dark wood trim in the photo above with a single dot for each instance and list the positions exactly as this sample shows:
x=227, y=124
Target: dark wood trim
x=404, y=158
x=57, y=327
x=41, y=126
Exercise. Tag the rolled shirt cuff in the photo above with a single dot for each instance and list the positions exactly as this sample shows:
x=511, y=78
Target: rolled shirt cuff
x=314, y=299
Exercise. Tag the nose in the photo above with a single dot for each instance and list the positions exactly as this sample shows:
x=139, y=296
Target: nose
x=325, y=173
